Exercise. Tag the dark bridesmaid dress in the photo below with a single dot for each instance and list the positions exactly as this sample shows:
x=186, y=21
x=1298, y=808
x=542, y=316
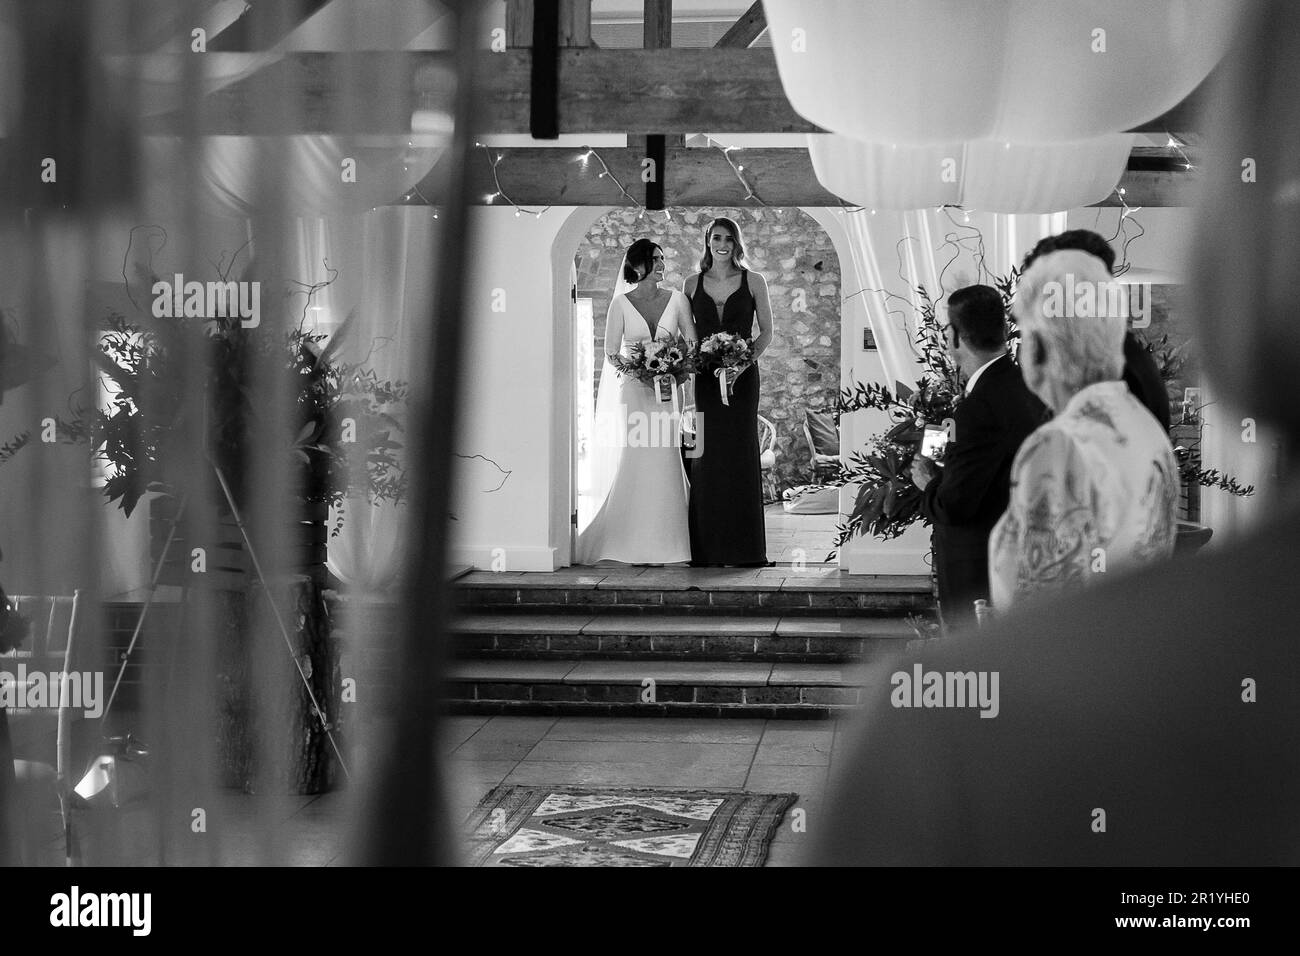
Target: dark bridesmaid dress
x=726, y=507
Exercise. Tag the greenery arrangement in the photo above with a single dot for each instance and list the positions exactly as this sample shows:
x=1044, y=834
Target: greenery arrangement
x=887, y=502
x=345, y=430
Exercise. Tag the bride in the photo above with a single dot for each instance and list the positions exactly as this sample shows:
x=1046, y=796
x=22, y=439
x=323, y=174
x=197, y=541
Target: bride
x=639, y=482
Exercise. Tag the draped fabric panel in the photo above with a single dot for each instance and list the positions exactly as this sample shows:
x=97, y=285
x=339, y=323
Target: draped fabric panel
x=394, y=297
x=984, y=175
x=1025, y=71
x=331, y=175
x=894, y=252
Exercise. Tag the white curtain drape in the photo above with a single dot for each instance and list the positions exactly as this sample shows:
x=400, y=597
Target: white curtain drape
x=1024, y=71
x=895, y=252
x=331, y=175
x=342, y=244
x=395, y=299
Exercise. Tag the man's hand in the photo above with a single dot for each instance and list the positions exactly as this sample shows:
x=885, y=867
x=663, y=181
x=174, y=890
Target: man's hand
x=923, y=471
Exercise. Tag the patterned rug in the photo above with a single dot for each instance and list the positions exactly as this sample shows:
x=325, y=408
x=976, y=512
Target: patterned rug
x=623, y=826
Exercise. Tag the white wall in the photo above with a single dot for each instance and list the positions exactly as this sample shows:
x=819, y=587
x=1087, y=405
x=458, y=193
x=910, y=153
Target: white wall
x=517, y=404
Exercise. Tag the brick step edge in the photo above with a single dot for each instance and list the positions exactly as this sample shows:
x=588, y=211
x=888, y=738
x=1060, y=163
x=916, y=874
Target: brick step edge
x=723, y=647
x=610, y=692
x=729, y=602
x=677, y=612
x=497, y=708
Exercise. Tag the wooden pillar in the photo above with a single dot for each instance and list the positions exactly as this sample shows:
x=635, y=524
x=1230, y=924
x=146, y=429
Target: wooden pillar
x=658, y=24
x=544, y=93
x=574, y=23
x=658, y=36
x=546, y=26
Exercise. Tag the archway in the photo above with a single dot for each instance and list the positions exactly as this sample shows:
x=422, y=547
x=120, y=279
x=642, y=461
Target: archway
x=799, y=251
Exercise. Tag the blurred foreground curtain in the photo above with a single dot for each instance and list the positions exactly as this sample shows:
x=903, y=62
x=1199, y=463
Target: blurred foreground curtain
x=1025, y=71
x=986, y=175
x=894, y=252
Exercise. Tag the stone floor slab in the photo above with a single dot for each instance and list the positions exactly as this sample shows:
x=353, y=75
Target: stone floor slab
x=598, y=774
x=684, y=729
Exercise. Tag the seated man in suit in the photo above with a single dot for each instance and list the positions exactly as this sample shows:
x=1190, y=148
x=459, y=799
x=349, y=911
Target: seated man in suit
x=965, y=499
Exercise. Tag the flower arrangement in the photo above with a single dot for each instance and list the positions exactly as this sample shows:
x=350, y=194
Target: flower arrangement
x=724, y=350
x=138, y=433
x=887, y=501
x=647, y=361
x=725, y=355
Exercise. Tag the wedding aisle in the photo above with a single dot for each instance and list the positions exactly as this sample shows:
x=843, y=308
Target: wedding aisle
x=480, y=753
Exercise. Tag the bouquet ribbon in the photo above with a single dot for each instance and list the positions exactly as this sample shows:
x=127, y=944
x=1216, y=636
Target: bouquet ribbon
x=665, y=387
x=721, y=373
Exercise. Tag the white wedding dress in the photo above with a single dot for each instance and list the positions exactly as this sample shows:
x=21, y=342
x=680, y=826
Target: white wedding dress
x=643, y=516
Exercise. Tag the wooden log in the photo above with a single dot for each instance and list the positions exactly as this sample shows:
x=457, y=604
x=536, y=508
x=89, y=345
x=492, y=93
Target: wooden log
x=300, y=757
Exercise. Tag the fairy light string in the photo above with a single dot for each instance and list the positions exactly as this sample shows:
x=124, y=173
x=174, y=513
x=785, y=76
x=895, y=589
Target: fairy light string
x=494, y=160
x=739, y=171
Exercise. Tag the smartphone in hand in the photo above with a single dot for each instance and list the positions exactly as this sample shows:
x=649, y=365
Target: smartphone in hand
x=934, y=443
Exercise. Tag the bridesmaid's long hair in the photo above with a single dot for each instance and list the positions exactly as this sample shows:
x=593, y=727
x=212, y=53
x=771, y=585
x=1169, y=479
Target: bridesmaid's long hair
x=737, y=256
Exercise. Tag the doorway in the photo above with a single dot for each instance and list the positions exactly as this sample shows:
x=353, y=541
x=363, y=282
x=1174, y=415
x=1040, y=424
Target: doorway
x=801, y=372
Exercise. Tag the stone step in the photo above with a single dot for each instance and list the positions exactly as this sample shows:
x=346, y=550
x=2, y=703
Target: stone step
x=760, y=592
x=661, y=688
x=663, y=637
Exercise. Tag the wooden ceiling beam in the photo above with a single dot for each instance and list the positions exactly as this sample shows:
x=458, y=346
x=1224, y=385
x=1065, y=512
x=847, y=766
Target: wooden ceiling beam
x=746, y=30
x=630, y=91
x=260, y=28
x=545, y=176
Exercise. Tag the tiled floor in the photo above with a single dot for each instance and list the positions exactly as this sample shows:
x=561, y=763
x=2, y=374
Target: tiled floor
x=795, y=538
x=753, y=755
x=481, y=752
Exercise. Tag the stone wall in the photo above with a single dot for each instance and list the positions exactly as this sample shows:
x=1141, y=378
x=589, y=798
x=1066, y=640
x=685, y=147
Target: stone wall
x=802, y=368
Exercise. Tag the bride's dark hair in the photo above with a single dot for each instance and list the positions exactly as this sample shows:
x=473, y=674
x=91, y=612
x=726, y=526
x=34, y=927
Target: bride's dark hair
x=639, y=256
x=737, y=256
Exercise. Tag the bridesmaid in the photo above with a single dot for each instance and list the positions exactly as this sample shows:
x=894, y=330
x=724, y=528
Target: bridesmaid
x=726, y=505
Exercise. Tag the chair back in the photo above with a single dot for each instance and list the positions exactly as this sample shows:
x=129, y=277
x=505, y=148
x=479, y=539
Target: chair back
x=50, y=616
x=64, y=744
x=55, y=621
x=766, y=434
x=822, y=432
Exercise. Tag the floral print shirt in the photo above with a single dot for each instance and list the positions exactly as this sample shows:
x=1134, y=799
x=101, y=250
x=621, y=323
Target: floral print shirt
x=1094, y=491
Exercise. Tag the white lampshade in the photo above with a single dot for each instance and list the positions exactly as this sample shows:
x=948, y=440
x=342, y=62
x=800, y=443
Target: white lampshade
x=988, y=175
x=1025, y=71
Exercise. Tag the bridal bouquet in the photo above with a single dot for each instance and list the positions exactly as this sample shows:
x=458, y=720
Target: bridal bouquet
x=720, y=354
x=661, y=364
